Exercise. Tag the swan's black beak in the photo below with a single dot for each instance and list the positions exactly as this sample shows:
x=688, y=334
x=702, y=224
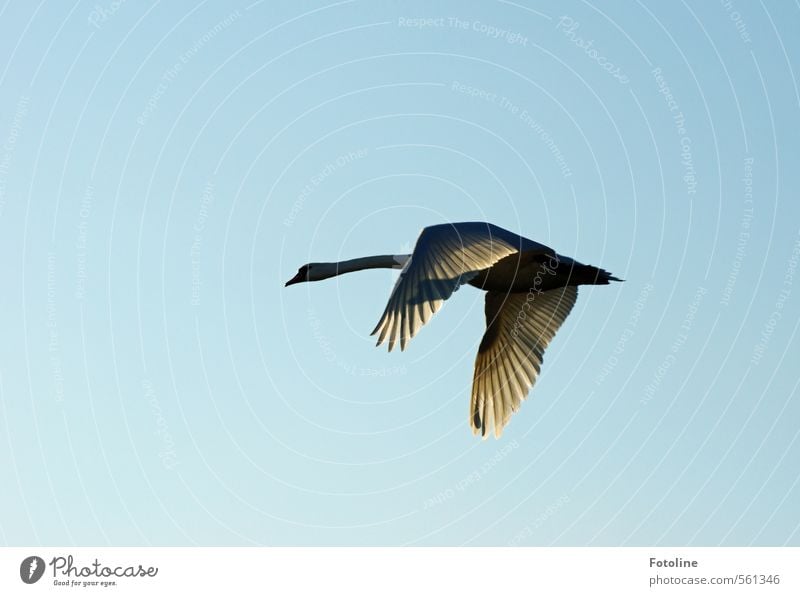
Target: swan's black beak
x=295, y=280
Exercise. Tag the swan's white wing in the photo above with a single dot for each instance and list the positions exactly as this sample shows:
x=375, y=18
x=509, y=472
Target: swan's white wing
x=445, y=256
x=518, y=329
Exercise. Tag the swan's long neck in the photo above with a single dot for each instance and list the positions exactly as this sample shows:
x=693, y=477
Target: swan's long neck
x=375, y=262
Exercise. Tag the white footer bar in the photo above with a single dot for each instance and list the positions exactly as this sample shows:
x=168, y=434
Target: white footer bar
x=462, y=571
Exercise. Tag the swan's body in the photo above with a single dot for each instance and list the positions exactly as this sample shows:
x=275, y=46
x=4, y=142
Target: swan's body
x=530, y=290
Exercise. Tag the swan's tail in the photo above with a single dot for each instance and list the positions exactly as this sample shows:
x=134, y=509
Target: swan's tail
x=590, y=275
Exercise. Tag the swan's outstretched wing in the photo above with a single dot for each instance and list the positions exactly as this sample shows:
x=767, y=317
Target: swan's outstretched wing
x=445, y=257
x=518, y=329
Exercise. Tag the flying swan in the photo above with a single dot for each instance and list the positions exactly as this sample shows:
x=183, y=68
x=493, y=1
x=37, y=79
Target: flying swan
x=530, y=290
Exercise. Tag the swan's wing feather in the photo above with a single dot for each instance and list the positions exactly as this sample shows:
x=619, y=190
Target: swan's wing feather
x=445, y=257
x=518, y=329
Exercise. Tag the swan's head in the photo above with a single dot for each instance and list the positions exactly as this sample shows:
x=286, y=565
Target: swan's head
x=314, y=272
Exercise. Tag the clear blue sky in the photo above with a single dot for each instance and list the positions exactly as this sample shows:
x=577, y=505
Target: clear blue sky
x=166, y=166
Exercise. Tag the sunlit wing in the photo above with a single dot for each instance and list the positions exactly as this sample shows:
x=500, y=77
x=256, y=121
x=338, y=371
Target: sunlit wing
x=445, y=257
x=518, y=329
